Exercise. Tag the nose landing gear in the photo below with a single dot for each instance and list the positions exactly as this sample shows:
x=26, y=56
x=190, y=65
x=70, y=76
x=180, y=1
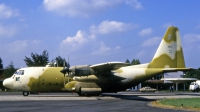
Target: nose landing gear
x=25, y=93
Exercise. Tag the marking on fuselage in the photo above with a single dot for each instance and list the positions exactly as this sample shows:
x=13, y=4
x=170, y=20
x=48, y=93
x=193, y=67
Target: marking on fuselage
x=169, y=36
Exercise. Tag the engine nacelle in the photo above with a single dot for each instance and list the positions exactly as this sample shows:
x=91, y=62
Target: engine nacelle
x=81, y=70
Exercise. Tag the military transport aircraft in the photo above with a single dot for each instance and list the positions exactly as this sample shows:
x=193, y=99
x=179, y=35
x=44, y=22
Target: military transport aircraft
x=103, y=77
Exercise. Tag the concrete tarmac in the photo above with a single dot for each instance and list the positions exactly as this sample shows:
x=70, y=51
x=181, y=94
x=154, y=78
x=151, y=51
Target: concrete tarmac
x=121, y=101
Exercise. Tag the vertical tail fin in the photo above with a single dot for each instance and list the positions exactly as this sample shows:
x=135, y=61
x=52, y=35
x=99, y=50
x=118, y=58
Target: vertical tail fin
x=169, y=53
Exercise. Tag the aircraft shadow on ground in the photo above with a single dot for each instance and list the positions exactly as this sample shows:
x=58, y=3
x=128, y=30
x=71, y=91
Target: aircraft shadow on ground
x=123, y=97
x=53, y=94
x=101, y=97
x=129, y=97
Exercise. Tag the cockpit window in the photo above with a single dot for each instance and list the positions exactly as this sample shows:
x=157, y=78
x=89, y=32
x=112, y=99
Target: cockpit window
x=22, y=72
x=19, y=72
x=17, y=78
x=13, y=76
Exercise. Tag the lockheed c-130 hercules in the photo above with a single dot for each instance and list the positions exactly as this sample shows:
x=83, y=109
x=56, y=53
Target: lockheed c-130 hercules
x=103, y=77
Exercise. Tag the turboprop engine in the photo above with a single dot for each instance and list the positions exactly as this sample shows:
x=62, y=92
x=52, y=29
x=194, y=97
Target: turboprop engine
x=81, y=70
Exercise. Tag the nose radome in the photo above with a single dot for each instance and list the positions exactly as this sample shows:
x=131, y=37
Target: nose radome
x=8, y=83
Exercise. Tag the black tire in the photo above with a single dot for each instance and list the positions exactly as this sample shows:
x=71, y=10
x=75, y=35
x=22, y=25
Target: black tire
x=25, y=93
x=79, y=92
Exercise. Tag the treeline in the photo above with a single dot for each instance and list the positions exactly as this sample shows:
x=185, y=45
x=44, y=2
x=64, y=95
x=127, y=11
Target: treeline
x=193, y=74
x=43, y=60
x=8, y=70
x=133, y=62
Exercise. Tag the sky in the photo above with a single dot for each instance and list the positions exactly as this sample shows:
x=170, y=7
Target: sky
x=96, y=31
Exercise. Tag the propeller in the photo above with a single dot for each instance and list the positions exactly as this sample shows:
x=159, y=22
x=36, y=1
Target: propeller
x=65, y=70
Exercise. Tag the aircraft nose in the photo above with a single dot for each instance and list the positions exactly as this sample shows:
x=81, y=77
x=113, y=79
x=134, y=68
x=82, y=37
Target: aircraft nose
x=8, y=83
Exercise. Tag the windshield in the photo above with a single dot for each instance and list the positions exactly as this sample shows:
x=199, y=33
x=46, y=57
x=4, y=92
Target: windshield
x=19, y=72
x=192, y=83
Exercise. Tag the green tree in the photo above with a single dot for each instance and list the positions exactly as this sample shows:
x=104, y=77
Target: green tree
x=9, y=70
x=37, y=60
x=135, y=62
x=1, y=64
x=127, y=61
x=58, y=61
x=193, y=74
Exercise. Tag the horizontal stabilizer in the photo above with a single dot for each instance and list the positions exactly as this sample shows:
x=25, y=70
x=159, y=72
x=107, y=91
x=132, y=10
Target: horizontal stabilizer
x=176, y=69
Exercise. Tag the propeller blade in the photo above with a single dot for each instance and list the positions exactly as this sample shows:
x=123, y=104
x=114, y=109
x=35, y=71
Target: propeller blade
x=64, y=80
x=64, y=71
x=64, y=63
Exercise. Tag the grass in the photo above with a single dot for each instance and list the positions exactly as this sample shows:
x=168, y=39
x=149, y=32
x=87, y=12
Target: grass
x=179, y=103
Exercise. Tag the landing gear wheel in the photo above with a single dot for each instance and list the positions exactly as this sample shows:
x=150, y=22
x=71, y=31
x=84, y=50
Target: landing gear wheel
x=25, y=93
x=79, y=92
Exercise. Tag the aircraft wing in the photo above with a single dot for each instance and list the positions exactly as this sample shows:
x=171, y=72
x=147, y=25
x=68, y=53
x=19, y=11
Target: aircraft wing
x=108, y=66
